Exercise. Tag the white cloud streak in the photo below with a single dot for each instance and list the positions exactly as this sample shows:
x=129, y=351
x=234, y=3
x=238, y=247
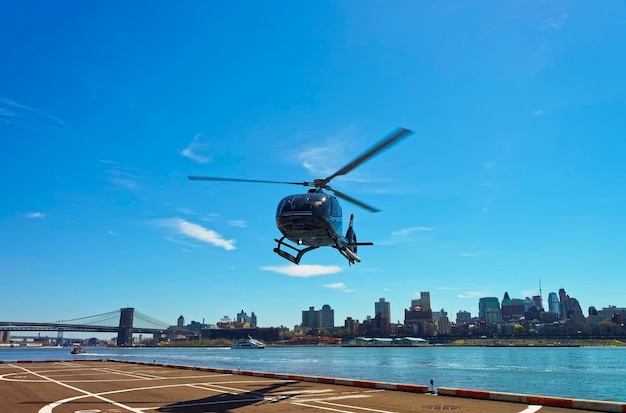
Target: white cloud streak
x=554, y=22
x=339, y=287
x=303, y=271
x=198, y=232
x=472, y=294
x=404, y=235
x=238, y=223
x=406, y=231
x=196, y=146
x=12, y=112
x=121, y=178
x=34, y=215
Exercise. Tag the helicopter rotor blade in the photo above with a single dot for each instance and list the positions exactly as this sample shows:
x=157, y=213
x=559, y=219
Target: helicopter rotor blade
x=352, y=200
x=385, y=143
x=213, y=178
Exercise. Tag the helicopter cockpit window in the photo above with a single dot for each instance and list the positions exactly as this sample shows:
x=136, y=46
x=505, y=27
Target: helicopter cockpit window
x=297, y=204
x=335, y=207
x=305, y=203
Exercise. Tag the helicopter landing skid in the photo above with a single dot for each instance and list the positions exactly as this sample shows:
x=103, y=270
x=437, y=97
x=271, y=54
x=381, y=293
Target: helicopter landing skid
x=286, y=255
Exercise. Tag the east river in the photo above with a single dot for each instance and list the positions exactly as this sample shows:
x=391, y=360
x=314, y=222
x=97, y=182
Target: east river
x=595, y=373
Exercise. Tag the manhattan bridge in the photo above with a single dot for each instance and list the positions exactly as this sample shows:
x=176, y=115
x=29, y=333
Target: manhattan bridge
x=124, y=322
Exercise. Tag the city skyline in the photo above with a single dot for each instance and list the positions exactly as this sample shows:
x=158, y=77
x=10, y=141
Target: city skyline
x=514, y=172
x=450, y=314
x=324, y=317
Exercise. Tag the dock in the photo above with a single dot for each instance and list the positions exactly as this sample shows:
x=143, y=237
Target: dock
x=110, y=386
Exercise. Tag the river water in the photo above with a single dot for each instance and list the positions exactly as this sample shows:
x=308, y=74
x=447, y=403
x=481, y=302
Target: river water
x=595, y=373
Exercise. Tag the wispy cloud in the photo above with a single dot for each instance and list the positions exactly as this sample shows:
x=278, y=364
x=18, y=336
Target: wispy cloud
x=122, y=178
x=303, y=271
x=34, y=215
x=186, y=211
x=467, y=292
x=330, y=153
x=406, y=231
x=12, y=112
x=339, y=287
x=193, y=151
x=472, y=294
x=404, y=235
x=197, y=232
x=239, y=223
x=469, y=254
x=538, y=112
x=316, y=160
x=554, y=22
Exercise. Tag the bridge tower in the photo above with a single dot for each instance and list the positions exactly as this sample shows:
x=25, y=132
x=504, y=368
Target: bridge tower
x=125, y=332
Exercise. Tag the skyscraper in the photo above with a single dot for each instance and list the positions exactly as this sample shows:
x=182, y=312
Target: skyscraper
x=553, y=303
x=383, y=308
x=328, y=316
x=487, y=303
x=423, y=301
x=311, y=318
x=463, y=317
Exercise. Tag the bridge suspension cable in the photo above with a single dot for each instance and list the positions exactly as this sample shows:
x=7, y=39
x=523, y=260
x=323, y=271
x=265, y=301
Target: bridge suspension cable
x=99, y=319
x=151, y=321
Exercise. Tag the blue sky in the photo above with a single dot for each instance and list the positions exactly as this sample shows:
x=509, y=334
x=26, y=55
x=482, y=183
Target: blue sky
x=515, y=172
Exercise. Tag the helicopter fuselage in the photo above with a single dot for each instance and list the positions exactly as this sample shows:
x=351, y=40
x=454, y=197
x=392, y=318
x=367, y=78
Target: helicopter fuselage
x=313, y=219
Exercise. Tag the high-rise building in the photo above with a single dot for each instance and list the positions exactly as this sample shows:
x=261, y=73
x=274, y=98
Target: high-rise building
x=253, y=320
x=423, y=302
x=311, y=318
x=512, y=308
x=463, y=317
x=351, y=326
x=487, y=303
x=383, y=308
x=564, y=304
x=180, y=323
x=553, y=304
x=419, y=317
x=328, y=316
x=324, y=318
x=243, y=318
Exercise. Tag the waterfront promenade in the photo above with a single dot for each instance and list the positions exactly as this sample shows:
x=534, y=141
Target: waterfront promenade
x=70, y=386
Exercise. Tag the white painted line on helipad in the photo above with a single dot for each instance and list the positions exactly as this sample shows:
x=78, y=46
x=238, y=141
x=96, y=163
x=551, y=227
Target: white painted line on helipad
x=48, y=408
x=531, y=409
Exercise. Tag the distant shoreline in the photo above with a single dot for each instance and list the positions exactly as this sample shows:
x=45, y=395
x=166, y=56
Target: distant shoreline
x=497, y=343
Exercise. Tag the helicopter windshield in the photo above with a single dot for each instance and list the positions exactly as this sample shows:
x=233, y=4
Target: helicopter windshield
x=308, y=203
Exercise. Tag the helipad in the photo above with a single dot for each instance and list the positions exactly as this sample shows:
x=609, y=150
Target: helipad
x=116, y=387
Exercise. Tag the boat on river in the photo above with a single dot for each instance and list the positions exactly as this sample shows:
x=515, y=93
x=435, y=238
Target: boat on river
x=248, y=343
x=78, y=350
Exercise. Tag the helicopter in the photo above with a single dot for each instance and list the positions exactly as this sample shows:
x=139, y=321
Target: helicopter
x=314, y=219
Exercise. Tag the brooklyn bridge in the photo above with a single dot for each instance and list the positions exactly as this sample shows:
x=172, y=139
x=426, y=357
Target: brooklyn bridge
x=125, y=322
